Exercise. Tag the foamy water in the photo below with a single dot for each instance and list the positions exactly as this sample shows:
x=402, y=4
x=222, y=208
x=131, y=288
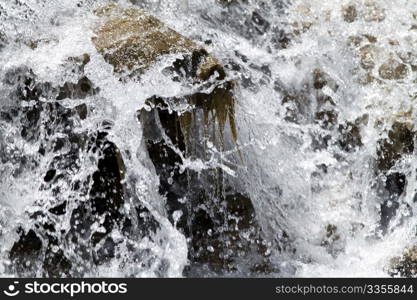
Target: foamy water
x=297, y=184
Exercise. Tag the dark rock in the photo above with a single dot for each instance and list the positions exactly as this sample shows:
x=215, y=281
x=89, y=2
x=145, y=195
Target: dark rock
x=350, y=136
x=320, y=79
x=298, y=107
x=394, y=186
x=96, y=198
x=25, y=253
x=400, y=141
x=3, y=41
x=391, y=184
x=214, y=220
x=327, y=118
x=55, y=264
x=80, y=90
x=49, y=175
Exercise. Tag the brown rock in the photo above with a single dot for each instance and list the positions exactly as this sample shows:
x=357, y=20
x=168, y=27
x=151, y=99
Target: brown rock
x=367, y=55
x=393, y=70
x=405, y=265
x=370, y=38
x=320, y=79
x=408, y=58
x=366, y=79
x=349, y=13
x=300, y=28
x=132, y=41
x=400, y=141
x=354, y=41
x=373, y=12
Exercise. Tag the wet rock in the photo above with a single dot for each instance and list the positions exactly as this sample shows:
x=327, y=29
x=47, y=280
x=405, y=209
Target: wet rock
x=326, y=115
x=3, y=40
x=300, y=28
x=405, y=265
x=297, y=107
x=83, y=88
x=354, y=41
x=196, y=201
x=107, y=191
x=217, y=110
x=231, y=2
x=367, y=78
x=393, y=42
x=56, y=264
x=27, y=88
x=104, y=195
x=349, y=13
x=393, y=70
x=400, y=141
x=327, y=118
x=367, y=56
x=373, y=12
x=370, y=38
x=311, y=103
x=332, y=240
x=394, y=186
x=258, y=22
x=281, y=39
x=391, y=184
x=320, y=79
x=80, y=90
x=201, y=203
x=408, y=58
x=221, y=244
x=25, y=254
x=84, y=184
x=350, y=138
x=82, y=111
x=132, y=41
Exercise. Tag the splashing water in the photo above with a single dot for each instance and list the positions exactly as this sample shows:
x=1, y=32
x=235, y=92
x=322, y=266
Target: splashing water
x=321, y=88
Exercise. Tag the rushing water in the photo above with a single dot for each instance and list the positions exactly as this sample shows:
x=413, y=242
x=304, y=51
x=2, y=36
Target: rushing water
x=313, y=109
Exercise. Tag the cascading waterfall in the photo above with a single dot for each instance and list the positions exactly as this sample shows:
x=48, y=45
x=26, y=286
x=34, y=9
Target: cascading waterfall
x=296, y=160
